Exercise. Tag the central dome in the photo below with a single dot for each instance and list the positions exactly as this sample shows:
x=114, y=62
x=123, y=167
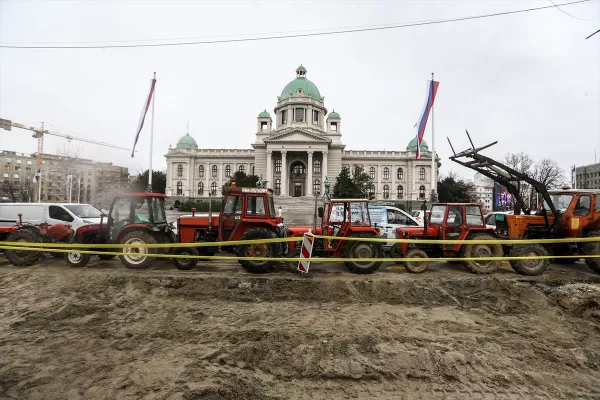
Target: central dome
x=301, y=86
x=187, y=142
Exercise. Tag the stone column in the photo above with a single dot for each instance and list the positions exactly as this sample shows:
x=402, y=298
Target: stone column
x=309, y=189
x=284, y=175
x=269, y=177
x=324, y=172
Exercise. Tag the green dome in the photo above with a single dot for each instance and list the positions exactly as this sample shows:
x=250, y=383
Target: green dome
x=333, y=114
x=412, y=146
x=187, y=142
x=308, y=88
x=264, y=114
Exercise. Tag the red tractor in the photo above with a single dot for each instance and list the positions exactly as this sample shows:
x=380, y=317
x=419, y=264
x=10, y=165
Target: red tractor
x=452, y=221
x=343, y=218
x=246, y=214
x=134, y=218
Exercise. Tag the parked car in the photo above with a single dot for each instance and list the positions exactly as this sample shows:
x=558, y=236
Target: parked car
x=419, y=215
x=73, y=214
x=388, y=219
x=490, y=218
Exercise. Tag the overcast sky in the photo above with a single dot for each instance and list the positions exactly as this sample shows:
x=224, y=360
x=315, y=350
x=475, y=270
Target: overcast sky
x=530, y=81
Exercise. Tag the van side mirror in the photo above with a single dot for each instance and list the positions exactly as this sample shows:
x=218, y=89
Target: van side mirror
x=320, y=212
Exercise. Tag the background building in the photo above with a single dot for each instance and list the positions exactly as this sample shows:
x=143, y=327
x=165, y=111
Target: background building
x=91, y=182
x=294, y=152
x=483, y=188
x=588, y=176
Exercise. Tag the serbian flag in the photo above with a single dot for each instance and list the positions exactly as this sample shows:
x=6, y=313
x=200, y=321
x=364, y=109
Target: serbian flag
x=144, y=111
x=432, y=87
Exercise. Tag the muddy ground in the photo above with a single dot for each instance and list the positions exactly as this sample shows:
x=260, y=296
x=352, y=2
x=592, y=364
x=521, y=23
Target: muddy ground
x=105, y=332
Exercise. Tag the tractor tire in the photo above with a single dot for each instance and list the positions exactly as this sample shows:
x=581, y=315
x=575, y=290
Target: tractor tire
x=533, y=267
x=258, y=250
x=395, y=253
x=592, y=248
x=130, y=258
x=482, y=250
x=416, y=267
x=356, y=249
x=77, y=259
x=185, y=264
x=25, y=257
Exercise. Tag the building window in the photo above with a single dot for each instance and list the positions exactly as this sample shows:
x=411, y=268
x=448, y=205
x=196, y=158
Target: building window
x=215, y=171
x=242, y=169
x=180, y=170
x=278, y=165
x=179, y=188
x=400, y=174
x=386, y=192
x=213, y=188
x=277, y=186
x=228, y=171
x=400, y=192
x=299, y=114
x=422, y=174
x=317, y=186
x=298, y=169
x=263, y=126
x=334, y=126
x=372, y=188
x=315, y=117
x=201, y=171
x=200, y=188
x=283, y=117
x=372, y=172
x=421, y=192
x=317, y=166
x=252, y=169
x=386, y=173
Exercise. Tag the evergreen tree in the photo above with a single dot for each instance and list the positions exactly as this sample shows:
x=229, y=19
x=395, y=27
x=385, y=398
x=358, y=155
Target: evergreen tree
x=352, y=186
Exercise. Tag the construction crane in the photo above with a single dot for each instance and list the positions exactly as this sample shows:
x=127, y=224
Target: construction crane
x=39, y=133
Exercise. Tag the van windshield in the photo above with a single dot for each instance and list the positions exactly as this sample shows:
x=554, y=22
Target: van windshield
x=84, y=210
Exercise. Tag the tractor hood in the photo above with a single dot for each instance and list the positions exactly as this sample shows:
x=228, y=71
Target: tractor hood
x=198, y=220
x=295, y=231
x=415, y=231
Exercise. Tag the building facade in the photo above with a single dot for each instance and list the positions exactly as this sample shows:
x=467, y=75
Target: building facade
x=483, y=188
x=587, y=176
x=91, y=182
x=295, y=152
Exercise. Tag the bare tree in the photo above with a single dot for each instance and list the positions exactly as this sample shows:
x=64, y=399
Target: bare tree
x=548, y=172
x=522, y=163
x=16, y=192
x=71, y=164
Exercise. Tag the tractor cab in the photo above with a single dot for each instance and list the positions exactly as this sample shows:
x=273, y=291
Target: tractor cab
x=130, y=211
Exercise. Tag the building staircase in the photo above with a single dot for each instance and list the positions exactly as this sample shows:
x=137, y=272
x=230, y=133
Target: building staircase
x=297, y=210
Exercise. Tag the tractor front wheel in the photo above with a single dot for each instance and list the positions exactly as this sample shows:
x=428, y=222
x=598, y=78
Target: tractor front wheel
x=357, y=249
x=416, y=267
x=530, y=267
x=592, y=248
x=76, y=259
x=258, y=250
x=22, y=258
x=483, y=251
x=185, y=263
x=136, y=257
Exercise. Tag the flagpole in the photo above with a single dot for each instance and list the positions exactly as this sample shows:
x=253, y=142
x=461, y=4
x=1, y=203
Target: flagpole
x=433, y=177
x=149, y=189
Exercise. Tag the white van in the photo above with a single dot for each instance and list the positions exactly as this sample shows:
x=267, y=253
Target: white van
x=389, y=218
x=51, y=213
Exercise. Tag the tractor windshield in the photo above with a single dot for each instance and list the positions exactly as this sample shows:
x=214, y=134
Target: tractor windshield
x=560, y=201
x=438, y=213
x=158, y=210
x=360, y=214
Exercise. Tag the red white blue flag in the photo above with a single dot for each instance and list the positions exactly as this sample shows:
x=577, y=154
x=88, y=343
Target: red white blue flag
x=143, y=116
x=432, y=87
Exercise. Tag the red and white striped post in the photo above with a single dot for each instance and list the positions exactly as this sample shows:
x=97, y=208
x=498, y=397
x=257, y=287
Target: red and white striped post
x=306, y=252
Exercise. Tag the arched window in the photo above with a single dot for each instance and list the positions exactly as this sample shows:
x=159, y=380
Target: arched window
x=372, y=172
x=421, y=192
x=180, y=170
x=252, y=169
x=179, y=188
x=372, y=188
x=213, y=188
x=386, y=192
x=278, y=165
x=277, y=186
x=298, y=168
x=422, y=174
x=386, y=173
x=400, y=174
x=200, y=188
x=242, y=169
x=317, y=186
x=215, y=171
x=400, y=191
x=317, y=166
x=201, y=171
x=228, y=171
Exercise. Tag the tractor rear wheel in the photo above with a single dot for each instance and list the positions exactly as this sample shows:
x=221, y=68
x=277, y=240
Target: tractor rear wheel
x=592, y=248
x=357, y=249
x=481, y=250
x=416, y=267
x=185, y=263
x=22, y=258
x=258, y=250
x=136, y=257
x=531, y=267
x=77, y=259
